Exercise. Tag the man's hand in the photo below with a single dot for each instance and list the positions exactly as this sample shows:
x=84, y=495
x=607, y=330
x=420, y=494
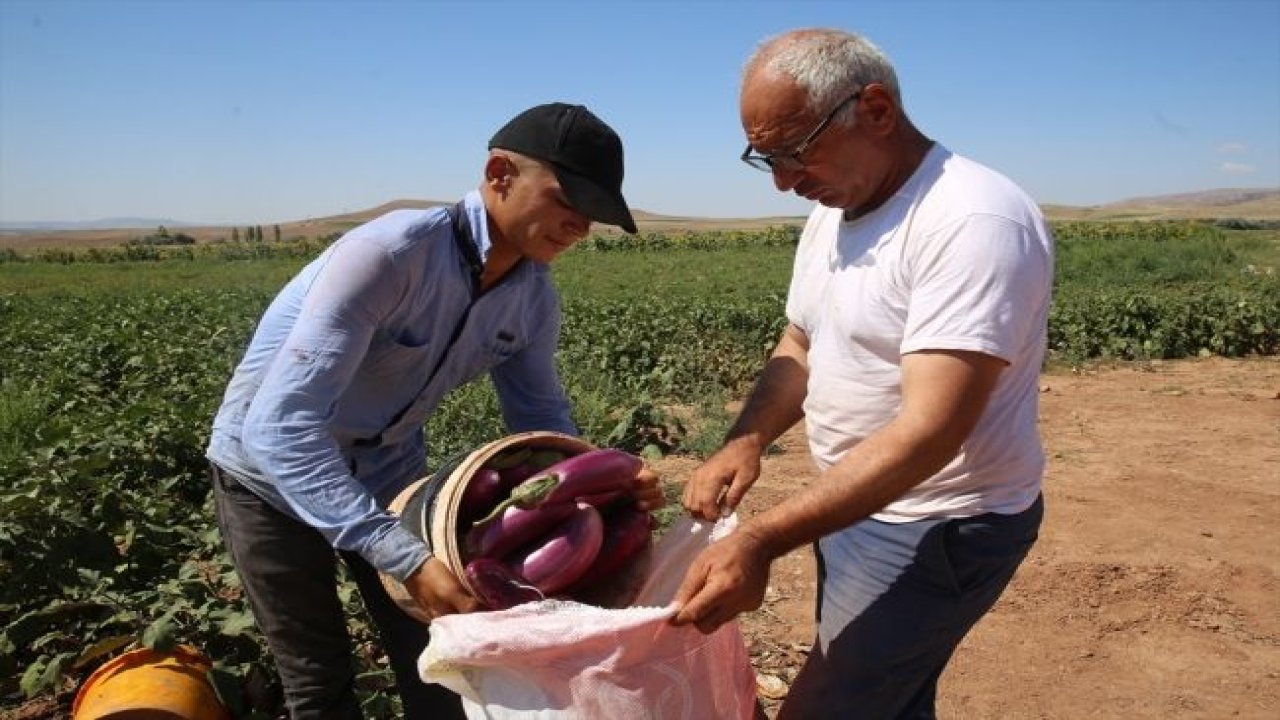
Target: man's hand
x=648, y=490
x=727, y=578
x=437, y=591
x=730, y=472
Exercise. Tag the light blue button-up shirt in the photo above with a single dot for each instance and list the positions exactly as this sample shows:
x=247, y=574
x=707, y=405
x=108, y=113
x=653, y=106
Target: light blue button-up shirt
x=324, y=416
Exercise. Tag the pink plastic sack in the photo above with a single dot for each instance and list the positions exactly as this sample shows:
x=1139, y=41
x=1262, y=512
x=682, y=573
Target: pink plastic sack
x=561, y=660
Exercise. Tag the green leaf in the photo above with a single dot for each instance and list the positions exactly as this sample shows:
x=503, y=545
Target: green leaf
x=237, y=623
x=30, y=684
x=104, y=646
x=160, y=635
x=54, y=670
x=227, y=685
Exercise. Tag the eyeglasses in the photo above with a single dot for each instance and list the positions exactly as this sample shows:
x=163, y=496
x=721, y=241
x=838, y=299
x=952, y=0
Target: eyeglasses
x=792, y=160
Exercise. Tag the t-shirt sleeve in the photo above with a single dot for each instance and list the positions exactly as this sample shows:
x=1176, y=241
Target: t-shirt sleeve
x=978, y=285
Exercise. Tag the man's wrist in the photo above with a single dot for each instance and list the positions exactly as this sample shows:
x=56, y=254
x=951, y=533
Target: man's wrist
x=768, y=544
x=746, y=442
x=421, y=565
x=399, y=553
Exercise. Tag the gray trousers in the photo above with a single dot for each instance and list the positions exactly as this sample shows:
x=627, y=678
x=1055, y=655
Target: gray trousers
x=289, y=572
x=895, y=600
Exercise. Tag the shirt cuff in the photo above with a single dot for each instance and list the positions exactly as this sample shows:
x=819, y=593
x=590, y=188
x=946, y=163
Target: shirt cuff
x=398, y=553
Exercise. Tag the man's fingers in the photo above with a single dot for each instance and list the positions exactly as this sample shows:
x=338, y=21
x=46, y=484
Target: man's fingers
x=454, y=603
x=698, y=598
x=438, y=591
x=733, y=496
x=463, y=602
x=708, y=508
x=647, y=490
x=702, y=497
x=703, y=612
x=694, y=578
x=717, y=487
x=647, y=476
x=687, y=497
x=693, y=612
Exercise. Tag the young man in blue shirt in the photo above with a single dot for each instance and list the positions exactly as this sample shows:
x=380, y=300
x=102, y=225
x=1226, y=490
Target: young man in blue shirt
x=322, y=422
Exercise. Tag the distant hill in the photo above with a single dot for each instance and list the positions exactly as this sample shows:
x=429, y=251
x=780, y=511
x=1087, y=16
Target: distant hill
x=352, y=219
x=1244, y=203
x=645, y=221
x=123, y=223
x=55, y=237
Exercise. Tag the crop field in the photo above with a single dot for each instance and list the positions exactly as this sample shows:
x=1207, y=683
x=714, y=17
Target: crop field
x=112, y=362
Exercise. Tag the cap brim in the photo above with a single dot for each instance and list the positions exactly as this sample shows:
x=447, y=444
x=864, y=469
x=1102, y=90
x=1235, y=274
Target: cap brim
x=594, y=201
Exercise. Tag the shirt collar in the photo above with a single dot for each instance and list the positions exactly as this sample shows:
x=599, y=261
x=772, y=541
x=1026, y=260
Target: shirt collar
x=473, y=205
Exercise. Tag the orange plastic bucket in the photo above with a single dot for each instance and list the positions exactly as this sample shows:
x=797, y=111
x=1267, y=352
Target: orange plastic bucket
x=429, y=508
x=146, y=684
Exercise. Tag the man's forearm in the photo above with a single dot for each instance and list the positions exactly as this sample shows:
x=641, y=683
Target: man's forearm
x=944, y=395
x=870, y=476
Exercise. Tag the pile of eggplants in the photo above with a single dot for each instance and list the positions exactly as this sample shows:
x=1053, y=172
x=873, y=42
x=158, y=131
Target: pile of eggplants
x=535, y=524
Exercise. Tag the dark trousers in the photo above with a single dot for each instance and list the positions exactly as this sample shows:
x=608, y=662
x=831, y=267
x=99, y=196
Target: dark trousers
x=894, y=602
x=290, y=576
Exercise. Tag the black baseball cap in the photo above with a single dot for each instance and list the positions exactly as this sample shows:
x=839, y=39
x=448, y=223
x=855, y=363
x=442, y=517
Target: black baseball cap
x=584, y=153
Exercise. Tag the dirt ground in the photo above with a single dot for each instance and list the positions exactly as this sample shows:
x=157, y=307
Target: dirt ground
x=1154, y=590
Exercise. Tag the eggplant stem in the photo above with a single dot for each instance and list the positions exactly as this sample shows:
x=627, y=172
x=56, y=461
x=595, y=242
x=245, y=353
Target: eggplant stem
x=527, y=495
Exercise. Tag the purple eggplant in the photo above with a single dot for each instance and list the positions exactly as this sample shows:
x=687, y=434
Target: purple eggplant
x=497, y=587
x=484, y=491
x=565, y=554
x=514, y=475
x=600, y=500
x=592, y=473
x=626, y=533
x=496, y=537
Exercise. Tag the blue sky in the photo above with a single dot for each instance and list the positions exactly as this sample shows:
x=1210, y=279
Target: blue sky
x=258, y=112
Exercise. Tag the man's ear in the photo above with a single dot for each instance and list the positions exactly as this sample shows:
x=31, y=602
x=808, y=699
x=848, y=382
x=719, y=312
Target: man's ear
x=882, y=113
x=499, y=172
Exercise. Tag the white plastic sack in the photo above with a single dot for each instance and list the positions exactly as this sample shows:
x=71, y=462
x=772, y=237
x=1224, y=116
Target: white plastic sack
x=560, y=660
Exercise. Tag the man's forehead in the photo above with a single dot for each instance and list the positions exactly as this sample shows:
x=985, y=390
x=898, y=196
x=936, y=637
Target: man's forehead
x=770, y=96
x=775, y=111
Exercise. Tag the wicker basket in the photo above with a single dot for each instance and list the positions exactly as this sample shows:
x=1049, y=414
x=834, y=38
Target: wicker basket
x=429, y=508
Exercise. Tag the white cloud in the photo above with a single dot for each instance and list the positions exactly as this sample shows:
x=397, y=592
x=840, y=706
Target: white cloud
x=1231, y=168
x=1232, y=148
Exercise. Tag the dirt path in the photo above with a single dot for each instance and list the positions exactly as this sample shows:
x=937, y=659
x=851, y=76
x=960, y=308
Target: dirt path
x=1154, y=591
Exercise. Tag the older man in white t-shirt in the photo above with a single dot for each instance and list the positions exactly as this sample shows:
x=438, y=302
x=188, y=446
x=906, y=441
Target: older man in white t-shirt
x=917, y=327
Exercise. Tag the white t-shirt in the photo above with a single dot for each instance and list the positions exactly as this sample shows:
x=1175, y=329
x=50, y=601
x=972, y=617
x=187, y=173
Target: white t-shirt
x=958, y=259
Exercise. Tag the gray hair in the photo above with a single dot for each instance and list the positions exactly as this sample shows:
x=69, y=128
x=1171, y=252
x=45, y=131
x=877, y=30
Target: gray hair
x=829, y=65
